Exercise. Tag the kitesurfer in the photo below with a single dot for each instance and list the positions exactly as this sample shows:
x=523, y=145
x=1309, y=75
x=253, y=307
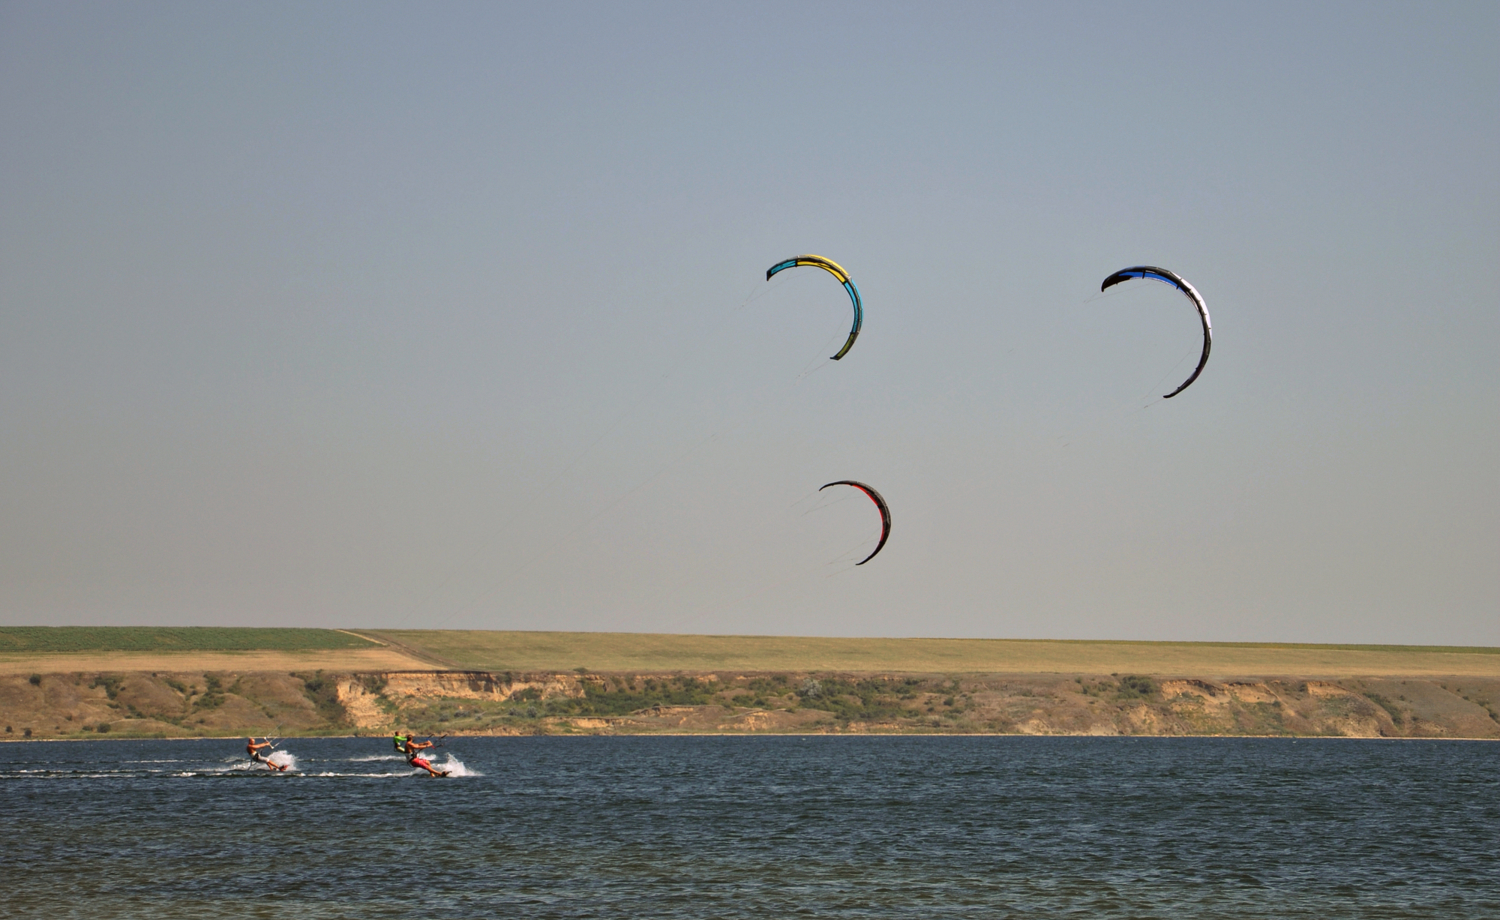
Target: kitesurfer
x=414, y=749
x=400, y=742
x=254, y=750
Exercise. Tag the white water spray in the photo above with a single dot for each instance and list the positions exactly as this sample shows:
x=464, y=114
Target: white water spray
x=455, y=767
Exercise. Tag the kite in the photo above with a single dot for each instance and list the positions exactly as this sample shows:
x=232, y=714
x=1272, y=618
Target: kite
x=837, y=271
x=1174, y=279
x=885, y=513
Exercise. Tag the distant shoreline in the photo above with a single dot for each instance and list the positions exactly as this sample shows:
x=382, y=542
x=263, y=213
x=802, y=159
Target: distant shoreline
x=84, y=683
x=583, y=737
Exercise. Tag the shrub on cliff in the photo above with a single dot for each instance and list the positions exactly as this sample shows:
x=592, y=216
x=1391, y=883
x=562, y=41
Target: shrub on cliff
x=213, y=696
x=857, y=700
x=600, y=700
x=1136, y=687
x=323, y=693
x=110, y=682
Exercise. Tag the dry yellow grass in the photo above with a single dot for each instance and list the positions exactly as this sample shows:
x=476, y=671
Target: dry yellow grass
x=642, y=652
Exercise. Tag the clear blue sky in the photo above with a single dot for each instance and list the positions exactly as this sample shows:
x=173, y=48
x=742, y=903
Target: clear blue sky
x=455, y=315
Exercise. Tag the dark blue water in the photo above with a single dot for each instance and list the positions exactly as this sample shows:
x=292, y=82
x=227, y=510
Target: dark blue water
x=757, y=827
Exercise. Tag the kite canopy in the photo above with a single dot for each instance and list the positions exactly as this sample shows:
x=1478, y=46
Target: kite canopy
x=837, y=271
x=1174, y=279
x=885, y=513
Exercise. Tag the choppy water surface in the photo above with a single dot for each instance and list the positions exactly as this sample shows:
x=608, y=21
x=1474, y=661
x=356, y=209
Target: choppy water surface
x=757, y=827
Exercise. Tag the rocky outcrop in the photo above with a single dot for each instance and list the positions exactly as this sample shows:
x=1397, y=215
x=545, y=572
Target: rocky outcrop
x=376, y=701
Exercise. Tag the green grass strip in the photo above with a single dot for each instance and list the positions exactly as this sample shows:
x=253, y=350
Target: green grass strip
x=171, y=639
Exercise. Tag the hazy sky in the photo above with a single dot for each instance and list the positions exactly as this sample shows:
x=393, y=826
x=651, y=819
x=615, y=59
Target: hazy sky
x=454, y=315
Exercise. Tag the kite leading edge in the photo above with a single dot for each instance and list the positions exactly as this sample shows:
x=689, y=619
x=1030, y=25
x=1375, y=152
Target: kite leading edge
x=1175, y=280
x=885, y=513
x=837, y=271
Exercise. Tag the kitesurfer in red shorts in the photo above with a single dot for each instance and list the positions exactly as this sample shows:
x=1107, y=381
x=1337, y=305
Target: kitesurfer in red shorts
x=414, y=756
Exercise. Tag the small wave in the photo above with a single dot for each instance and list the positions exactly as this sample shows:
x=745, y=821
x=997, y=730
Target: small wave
x=372, y=758
x=89, y=775
x=230, y=774
x=249, y=766
x=66, y=774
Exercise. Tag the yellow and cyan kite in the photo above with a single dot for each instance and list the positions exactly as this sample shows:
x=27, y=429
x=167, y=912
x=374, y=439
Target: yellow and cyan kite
x=837, y=271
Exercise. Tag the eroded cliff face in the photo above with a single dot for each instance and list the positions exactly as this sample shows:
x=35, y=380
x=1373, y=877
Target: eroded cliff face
x=175, y=704
x=81, y=705
x=377, y=701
